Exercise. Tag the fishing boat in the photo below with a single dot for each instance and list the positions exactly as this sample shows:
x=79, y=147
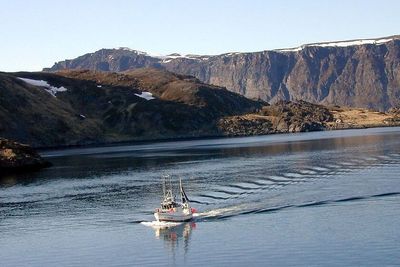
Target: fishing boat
x=172, y=210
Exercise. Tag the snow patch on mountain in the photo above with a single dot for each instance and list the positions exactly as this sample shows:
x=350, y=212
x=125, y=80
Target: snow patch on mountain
x=170, y=57
x=47, y=87
x=146, y=95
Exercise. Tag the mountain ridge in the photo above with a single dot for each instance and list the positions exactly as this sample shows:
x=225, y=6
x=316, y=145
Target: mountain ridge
x=365, y=73
x=174, y=55
x=359, y=41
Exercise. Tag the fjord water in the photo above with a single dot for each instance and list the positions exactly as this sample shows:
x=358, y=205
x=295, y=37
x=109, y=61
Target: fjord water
x=310, y=199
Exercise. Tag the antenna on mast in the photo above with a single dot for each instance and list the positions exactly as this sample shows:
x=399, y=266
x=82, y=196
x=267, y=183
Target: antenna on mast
x=163, y=186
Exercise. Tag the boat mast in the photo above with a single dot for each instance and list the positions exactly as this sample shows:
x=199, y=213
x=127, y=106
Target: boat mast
x=167, y=188
x=170, y=187
x=164, y=185
x=180, y=189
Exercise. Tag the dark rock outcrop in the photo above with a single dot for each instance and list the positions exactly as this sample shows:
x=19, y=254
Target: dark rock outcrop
x=16, y=157
x=288, y=116
x=357, y=73
x=281, y=117
x=245, y=125
x=395, y=111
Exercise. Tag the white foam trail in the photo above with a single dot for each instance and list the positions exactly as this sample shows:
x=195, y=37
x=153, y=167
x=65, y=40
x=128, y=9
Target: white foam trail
x=348, y=164
x=278, y=178
x=265, y=182
x=370, y=158
x=219, y=212
x=332, y=166
x=160, y=225
x=383, y=157
x=320, y=168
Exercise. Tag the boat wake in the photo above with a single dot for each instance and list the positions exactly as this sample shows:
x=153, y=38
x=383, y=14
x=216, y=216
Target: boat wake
x=329, y=180
x=219, y=212
x=243, y=209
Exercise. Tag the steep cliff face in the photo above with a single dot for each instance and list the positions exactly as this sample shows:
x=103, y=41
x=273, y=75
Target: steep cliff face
x=355, y=75
x=358, y=73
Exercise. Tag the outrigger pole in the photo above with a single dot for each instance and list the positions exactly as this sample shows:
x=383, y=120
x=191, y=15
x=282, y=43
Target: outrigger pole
x=184, y=197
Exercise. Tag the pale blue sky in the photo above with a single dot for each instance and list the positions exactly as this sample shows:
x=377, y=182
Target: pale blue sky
x=36, y=33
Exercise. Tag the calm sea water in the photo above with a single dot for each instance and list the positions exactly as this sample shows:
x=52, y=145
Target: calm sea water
x=311, y=199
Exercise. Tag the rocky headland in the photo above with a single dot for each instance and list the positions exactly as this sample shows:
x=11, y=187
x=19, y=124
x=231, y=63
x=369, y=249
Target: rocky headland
x=72, y=108
x=301, y=116
x=81, y=107
x=17, y=157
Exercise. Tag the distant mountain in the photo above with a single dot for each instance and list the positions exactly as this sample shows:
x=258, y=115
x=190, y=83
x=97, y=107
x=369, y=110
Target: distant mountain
x=87, y=107
x=357, y=73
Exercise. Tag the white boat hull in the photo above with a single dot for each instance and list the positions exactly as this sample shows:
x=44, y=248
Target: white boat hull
x=172, y=217
x=171, y=210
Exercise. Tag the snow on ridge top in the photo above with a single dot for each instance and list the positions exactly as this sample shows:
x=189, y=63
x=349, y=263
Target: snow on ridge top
x=353, y=42
x=232, y=54
x=339, y=44
x=146, y=95
x=163, y=58
x=176, y=55
x=294, y=49
x=47, y=87
x=132, y=50
x=170, y=57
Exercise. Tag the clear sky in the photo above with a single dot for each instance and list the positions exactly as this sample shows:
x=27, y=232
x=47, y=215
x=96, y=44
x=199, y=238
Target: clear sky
x=36, y=33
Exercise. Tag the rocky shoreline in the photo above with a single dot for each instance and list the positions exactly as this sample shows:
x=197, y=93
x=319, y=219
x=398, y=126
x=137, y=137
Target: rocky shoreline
x=17, y=157
x=282, y=117
x=301, y=116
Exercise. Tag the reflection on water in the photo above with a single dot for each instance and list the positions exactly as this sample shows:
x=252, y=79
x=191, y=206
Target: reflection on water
x=80, y=211
x=95, y=162
x=8, y=180
x=174, y=236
